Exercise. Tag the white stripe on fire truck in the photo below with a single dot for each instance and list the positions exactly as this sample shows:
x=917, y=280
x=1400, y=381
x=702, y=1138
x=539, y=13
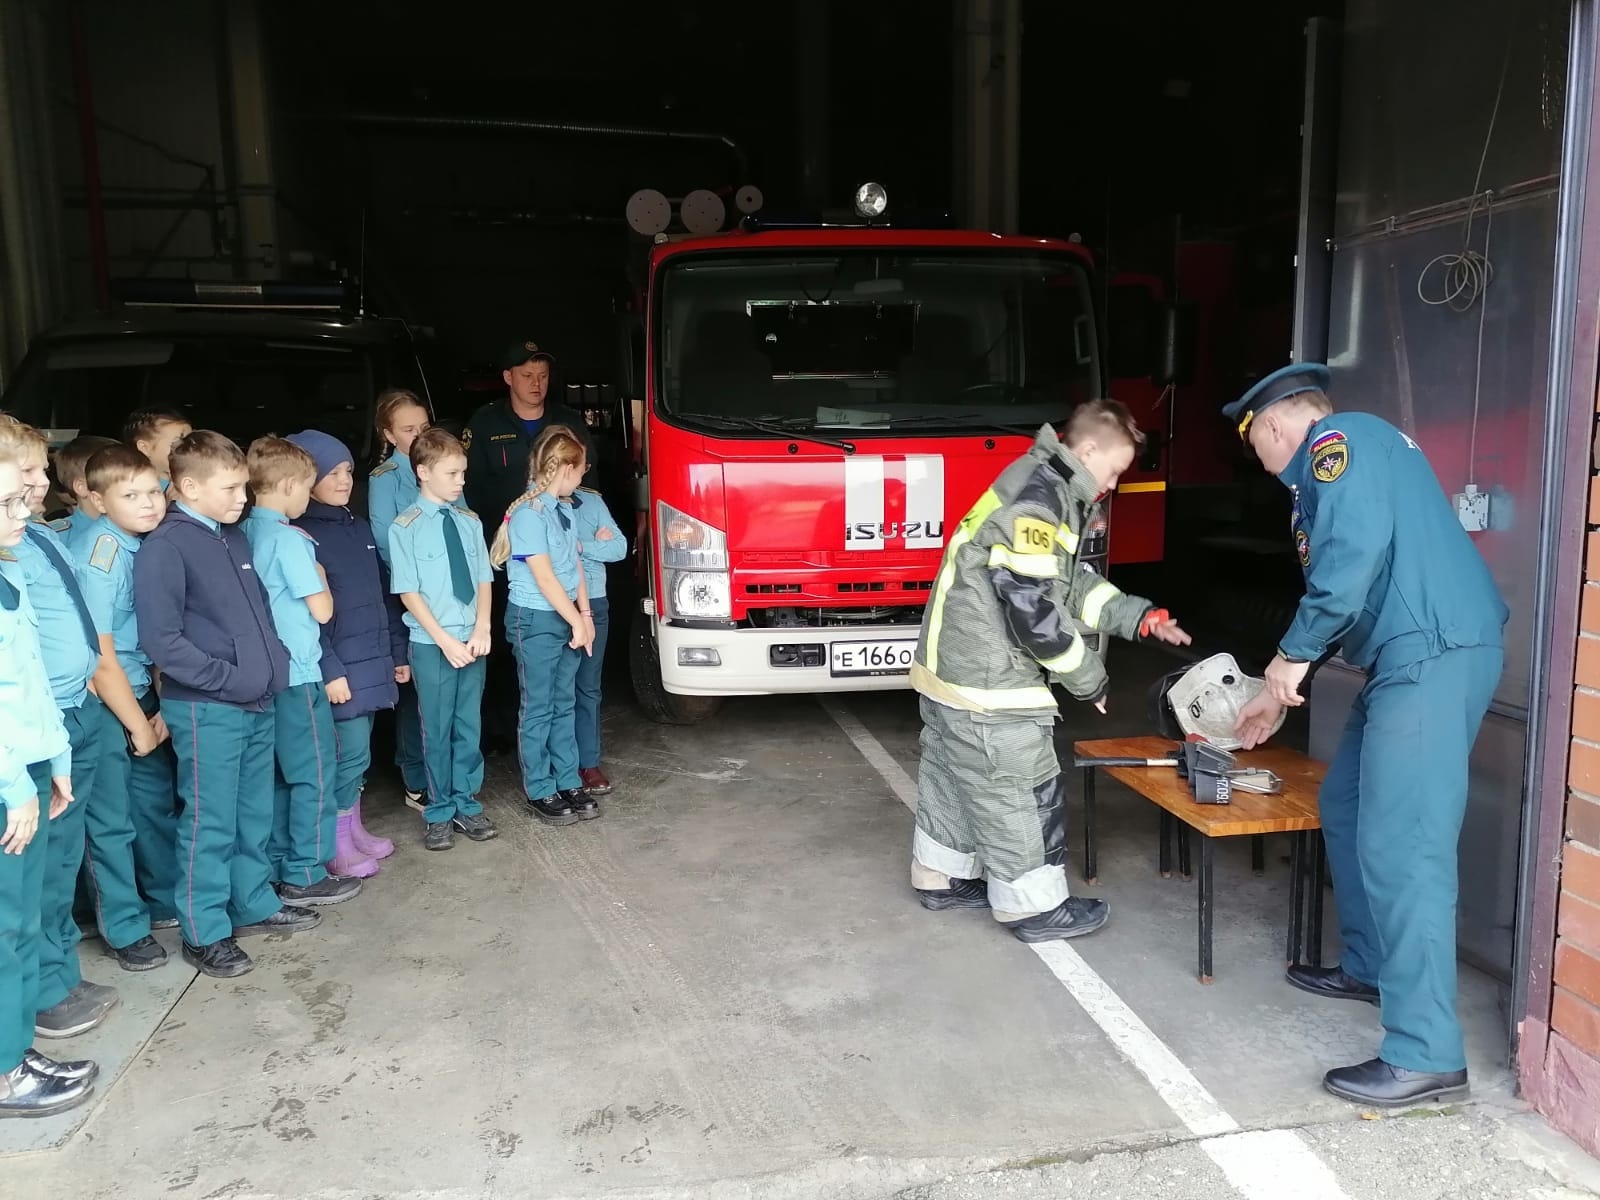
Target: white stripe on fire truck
x=864, y=500
x=925, y=500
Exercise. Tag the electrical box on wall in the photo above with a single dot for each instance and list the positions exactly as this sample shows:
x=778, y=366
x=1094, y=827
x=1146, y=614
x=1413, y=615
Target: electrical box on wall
x=1472, y=509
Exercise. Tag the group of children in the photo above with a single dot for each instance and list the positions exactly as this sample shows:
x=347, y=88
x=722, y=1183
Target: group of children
x=187, y=691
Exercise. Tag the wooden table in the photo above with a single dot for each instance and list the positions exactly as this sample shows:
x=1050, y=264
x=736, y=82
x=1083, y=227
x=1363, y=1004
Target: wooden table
x=1251, y=814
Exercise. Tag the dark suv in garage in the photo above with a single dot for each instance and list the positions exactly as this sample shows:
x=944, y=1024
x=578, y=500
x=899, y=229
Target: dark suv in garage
x=242, y=358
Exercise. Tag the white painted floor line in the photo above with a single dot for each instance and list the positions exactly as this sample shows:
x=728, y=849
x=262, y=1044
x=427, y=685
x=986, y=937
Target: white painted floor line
x=1262, y=1165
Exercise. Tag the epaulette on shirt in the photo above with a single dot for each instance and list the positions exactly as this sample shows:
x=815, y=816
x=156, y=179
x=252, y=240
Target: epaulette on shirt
x=7, y=554
x=304, y=534
x=410, y=515
x=383, y=468
x=467, y=512
x=590, y=490
x=105, y=552
x=60, y=524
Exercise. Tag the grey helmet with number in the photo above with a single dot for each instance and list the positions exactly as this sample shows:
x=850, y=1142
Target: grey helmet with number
x=1206, y=699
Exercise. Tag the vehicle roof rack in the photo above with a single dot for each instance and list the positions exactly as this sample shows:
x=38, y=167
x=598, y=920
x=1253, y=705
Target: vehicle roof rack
x=277, y=294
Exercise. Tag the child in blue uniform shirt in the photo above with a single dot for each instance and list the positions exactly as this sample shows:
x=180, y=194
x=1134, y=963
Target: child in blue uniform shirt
x=205, y=623
x=35, y=786
x=549, y=625
x=72, y=465
x=131, y=820
x=364, y=648
x=441, y=574
x=600, y=541
x=305, y=815
x=70, y=641
x=153, y=432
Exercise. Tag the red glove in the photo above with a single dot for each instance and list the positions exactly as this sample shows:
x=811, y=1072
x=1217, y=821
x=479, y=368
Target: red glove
x=1156, y=616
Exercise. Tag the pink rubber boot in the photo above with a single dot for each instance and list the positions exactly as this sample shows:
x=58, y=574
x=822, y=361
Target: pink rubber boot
x=367, y=843
x=347, y=859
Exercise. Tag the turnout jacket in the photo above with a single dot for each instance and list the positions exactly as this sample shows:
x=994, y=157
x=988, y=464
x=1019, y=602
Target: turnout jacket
x=1011, y=604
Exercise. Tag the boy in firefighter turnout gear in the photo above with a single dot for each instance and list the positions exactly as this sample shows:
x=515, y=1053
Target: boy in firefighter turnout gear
x=1011, y=614
x=1396, y=587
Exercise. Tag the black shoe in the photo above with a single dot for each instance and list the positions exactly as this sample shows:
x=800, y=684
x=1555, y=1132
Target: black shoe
x=1073, y=917
x=288, y=919
x=144, y=955
x=440, y=836
x=80, y=1068
x=583, y=805
x=84, y=1007
x=220, y=960
x=335, y=889
x=1375, y=1082
x=477, y=827
x=1331, y=982
x=25, y=1092
x=553, y=810
x=962, y=893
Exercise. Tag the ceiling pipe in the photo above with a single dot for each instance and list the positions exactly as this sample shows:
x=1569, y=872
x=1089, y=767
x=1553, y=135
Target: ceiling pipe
x=376, y=120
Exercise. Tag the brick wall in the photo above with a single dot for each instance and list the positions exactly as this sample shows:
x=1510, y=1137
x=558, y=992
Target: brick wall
x=1563, y=1078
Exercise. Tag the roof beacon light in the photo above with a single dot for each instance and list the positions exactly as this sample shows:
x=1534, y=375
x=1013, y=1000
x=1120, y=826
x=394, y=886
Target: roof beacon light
x=702, y=212
x=871, y=200
x=649, y=212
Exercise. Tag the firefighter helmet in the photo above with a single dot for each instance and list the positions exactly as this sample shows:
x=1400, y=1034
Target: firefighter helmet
x=1206, y=699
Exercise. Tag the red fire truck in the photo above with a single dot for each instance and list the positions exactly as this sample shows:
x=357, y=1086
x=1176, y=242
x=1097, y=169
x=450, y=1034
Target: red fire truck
x=821, y=405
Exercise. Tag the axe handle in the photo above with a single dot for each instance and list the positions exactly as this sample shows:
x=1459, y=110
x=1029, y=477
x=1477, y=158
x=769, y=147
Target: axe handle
x=1125, y=762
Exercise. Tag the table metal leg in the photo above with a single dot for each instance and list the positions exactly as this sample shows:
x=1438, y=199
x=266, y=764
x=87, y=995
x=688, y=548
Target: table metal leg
x=1319, y=857
x=1090, y=872
x=1258, y=853
x=1297, y=853
x=1207, y=901
x=1184, y=867
x=1166, y=843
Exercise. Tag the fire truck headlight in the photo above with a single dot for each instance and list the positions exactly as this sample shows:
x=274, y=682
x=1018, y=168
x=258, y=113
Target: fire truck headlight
x=871, y=200
x=700, y=594
x=687, y=542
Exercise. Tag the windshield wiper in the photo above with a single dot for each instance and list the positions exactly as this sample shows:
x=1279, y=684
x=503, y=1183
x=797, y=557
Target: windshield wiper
x=967, y=421
x=777, y=428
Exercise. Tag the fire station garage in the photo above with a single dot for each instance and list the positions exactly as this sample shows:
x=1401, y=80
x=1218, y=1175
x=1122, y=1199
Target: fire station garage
x=803, y=278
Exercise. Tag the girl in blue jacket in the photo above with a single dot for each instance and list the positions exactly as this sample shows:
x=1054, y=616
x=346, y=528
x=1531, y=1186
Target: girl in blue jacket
x=364, y=650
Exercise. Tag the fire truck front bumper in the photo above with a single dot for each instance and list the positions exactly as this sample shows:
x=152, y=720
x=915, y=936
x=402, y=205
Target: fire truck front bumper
x=759, y=662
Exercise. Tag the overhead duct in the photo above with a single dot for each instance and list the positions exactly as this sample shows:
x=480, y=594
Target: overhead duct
x=374, y=120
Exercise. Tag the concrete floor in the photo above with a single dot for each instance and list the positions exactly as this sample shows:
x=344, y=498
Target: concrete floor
x=722, y=989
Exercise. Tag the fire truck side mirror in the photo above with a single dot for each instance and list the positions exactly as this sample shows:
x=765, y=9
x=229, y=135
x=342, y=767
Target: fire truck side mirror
x=1173, y=354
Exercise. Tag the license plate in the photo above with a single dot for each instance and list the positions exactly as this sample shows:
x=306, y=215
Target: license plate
x=870, y=658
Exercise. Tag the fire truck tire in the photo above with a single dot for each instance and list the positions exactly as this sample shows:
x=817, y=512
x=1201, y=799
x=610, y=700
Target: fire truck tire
x=658, y=704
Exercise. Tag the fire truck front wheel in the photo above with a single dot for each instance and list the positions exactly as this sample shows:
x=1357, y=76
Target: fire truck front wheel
x=644, y=665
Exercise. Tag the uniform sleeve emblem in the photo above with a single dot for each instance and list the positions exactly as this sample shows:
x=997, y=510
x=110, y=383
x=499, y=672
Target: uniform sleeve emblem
x=105, y=552
x=1029, y=535
x=1330, y=455
x=1302, y=547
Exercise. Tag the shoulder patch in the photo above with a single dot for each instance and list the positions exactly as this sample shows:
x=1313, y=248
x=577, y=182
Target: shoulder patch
x=60, y=524
x=1302, y=547
x=382, y=468
x=1330, y=455
x=105, y=552
x=410, y=515
x=1029, y=535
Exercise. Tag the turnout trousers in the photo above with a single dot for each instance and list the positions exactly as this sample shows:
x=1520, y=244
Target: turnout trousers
x=991, y=800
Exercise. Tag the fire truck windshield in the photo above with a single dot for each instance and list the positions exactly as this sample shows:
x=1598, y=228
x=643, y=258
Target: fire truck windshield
x=869, y=340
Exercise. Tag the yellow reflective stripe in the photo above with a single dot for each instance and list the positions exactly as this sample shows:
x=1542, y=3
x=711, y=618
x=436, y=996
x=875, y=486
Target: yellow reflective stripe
x=1039, y=566
x=1067, y=538
x=976, y=516
x=1095, y=603
x=1123, y=489
x=981, y=699
x=1068, y=661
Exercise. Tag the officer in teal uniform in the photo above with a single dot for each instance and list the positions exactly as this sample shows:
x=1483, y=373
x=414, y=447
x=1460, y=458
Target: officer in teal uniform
x=35, y=774
x=70, y=641
x=1396, y=587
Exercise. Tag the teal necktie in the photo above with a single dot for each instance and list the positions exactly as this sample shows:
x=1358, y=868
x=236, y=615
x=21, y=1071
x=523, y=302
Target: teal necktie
x=460, y=574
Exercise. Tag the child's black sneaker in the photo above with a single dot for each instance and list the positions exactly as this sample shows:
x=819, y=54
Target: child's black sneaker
x=553, y=810
x=440, y=836
x=221, y=960
x=477, y=827
x=335, y=889
x=584, y=806
x=289, y=919
x=144, y=955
